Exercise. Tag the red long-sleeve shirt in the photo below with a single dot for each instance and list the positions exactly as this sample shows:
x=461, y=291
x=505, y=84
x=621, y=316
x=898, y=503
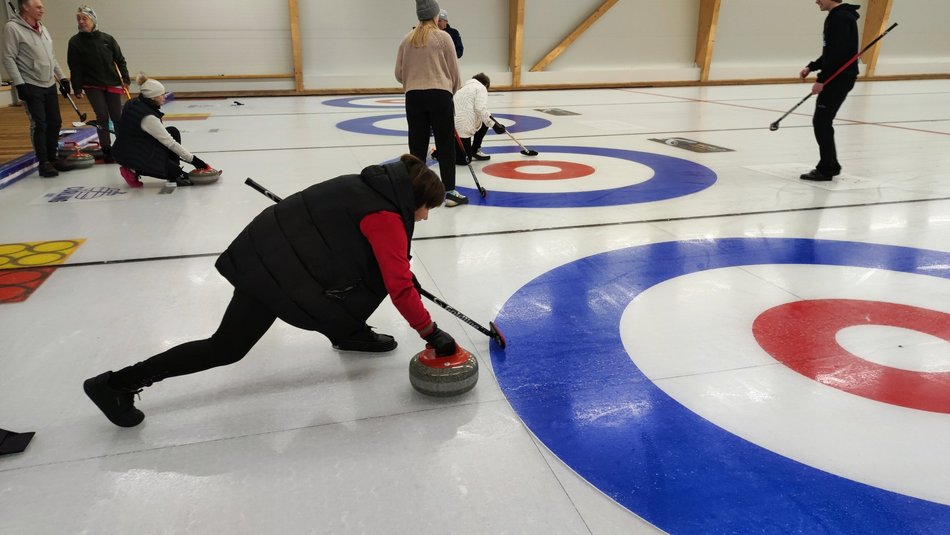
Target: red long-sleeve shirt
x=387, y=236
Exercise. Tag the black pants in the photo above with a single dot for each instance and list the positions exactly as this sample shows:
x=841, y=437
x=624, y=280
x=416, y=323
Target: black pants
x=169, y=165
x=826, y=108
x=244, y=323
x=432, y=111
x=42, y=108
x=107, y=106
x=471, y=145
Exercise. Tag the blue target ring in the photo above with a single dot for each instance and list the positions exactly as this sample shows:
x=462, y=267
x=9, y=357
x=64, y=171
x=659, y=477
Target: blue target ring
x=565, y=357
x=351, y=102
x=673, y=177
x=367, y=125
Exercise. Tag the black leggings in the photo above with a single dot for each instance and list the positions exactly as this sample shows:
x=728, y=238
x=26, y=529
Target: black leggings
x=826, y=108
x=431, y=111
x=471, y=146
x=244, y=323
x=107, y=106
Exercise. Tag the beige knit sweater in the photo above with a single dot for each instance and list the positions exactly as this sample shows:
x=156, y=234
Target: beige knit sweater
x=434, y=66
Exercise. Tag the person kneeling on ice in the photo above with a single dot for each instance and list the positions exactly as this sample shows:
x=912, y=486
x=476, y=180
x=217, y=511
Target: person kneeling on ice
x=144, y=146
x=322, y=259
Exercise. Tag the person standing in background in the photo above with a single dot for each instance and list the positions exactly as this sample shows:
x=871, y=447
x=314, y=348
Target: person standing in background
x=428, y=70
x=456, y=36
x=97, y=68
x=29, y=60
x=840, y=45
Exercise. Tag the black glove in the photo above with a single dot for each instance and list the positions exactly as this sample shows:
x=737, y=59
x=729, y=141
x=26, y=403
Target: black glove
x=499, y=128
x=65, y=87
x=442, y=342
x=198, y=163
x=21, y=92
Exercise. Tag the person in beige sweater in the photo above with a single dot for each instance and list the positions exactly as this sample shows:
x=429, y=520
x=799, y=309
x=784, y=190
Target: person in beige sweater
x=427, y=68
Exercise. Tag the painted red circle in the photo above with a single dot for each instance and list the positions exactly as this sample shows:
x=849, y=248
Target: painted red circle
x=801, y=335
x=20, y=276
x=12, y=294
x=566, y=170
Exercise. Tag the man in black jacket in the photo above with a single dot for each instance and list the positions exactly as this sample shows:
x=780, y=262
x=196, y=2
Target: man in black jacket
x=840, y=45
x=456, y=36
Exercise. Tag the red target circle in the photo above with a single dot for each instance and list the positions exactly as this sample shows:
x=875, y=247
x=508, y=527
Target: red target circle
x=565, y=170
x=20, y=276
x=801, y=335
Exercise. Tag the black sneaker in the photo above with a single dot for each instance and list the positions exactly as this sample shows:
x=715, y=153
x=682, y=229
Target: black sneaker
x=815, y=176
x=480, y=156
x=367, y=341
x=454, y=198
x=47, y=170
x=117, y=405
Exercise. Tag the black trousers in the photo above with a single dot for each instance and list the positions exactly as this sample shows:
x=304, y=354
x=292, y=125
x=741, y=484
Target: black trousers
x=471, y=145
x=42, y=108
x=107, y=106
x=432, y=111
x=826, y=108
x=244, y=323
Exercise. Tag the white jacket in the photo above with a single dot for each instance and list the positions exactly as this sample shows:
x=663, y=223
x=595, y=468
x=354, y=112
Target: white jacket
x=471, y=108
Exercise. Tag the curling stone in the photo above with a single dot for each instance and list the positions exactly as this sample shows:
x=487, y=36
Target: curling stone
x=200, y=177
x=79, y=160
x=93, y=149
x=443, y=376
x=67, y=148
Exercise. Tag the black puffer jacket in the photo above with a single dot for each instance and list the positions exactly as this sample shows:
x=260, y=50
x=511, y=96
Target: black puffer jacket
x=305, y=258
x=840, y=43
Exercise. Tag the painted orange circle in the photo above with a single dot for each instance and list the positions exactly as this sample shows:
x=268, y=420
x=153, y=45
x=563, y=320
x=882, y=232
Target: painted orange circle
x=565, y=170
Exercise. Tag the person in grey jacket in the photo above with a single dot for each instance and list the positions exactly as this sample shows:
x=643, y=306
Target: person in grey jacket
x=29, y=60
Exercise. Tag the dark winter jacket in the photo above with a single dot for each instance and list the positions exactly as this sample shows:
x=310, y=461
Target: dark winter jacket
x=90, y=57
x=456, y=39
x=136, y=148
x=840, y=43
x=305, y=258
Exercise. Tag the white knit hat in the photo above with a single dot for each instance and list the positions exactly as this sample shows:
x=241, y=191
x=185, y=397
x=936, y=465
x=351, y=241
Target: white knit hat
x=152, y=88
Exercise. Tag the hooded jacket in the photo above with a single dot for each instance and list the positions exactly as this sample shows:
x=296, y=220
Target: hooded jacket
x=305, y=258
x=28, y=54
x=840, y=43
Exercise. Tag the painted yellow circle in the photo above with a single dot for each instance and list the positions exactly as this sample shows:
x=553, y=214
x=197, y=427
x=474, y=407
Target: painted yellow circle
x=52, y=246
x=11, y=248
x=40, y=259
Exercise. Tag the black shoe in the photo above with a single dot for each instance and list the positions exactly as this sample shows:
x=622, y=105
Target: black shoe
x=368, y=341
x=480, y=156
x=183, y=180
x=47, y=170
x=816, y=176
x=117, y=405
